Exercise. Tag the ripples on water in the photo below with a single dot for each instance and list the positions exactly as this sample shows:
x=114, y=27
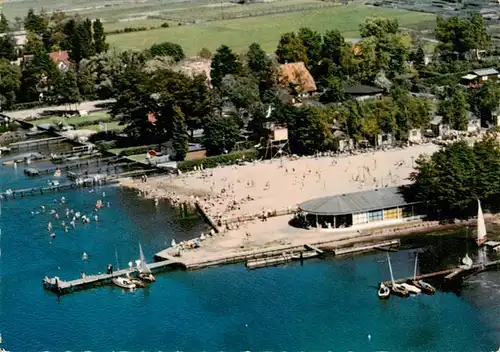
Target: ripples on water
x=323, y=305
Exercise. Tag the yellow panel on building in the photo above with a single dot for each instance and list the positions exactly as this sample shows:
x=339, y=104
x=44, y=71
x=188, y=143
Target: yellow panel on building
x=400, y=213
x=390, y=214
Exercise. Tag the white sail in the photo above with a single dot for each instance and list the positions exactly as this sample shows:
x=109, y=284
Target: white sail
x=144, y=269
x=481, y=227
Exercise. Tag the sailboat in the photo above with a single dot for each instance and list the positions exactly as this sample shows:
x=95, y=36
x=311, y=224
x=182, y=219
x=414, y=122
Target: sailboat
x=144, y=271
x=481, y=227
x=122, y=282
x=396, y=288
x=421, y=284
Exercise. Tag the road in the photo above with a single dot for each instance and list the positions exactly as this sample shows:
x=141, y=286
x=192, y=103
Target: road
x=24, y=114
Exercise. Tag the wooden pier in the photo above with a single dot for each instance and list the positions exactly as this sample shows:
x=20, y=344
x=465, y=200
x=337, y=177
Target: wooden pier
x=35, y=143
x=451, y=278
x=367, y=247
x=61, y=287
x=78, y=165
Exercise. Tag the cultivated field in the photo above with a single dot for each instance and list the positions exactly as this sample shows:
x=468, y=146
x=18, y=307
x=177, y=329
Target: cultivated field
x=266, y=30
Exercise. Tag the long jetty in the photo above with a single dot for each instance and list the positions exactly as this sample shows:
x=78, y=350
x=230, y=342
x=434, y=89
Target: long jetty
x=451, y=278
x=63, y=287
x=36, y=143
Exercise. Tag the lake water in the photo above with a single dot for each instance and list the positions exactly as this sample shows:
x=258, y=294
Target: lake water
x=323, y=305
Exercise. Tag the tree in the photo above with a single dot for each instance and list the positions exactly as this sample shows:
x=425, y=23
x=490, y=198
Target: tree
x=180, y=136
x=86, y=82
x=100, y=44
x=35, y=23
x=290, y=49
x=221, y=135
x=312, y=41
x=10, y=81
x=168, y=49
x=454, y=110
x=224, y=63
x=333, y=46
x=334, y=92
x=257, y=61
x=460, y=36
x=38, y=76
x=452, y=179
x=4, y=24
x=485, y=101
x=205, y=53
x=70, y=34
x=8, y=48
x=85, y=32
x=419, y=58
x=242, y=92
x=33, y=44
x=309, y=130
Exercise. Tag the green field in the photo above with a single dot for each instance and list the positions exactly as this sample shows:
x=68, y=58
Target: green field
x=266, y=30
x=110, y=126
x=72, y=120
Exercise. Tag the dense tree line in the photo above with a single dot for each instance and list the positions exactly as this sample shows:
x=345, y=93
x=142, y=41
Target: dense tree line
x=452, y=179
x=157, y=102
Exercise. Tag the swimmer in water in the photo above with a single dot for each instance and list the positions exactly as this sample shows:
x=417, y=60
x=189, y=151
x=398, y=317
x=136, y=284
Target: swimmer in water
x=53, y=235
x=49, y=227
x=42, y=207
x=73, y=223
x=57, y=216
x=96, y=218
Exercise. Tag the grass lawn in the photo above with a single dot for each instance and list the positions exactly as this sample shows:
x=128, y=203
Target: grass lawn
x=111, y=126
x=266, y=30
x=72, y=120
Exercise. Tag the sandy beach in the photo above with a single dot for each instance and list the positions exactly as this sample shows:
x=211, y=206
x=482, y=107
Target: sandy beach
x=241, y=190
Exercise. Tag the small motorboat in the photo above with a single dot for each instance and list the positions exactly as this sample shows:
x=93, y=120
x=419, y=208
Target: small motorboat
x=136, y=282
x=123, y=282
x=383, y=291
x=411, y=289
x=147, y=277
x=400, y=290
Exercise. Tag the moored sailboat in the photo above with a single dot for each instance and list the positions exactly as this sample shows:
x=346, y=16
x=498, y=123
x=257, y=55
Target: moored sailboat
x=397, y=289
x=481, y=226
x=421, y=284
x=144, y=271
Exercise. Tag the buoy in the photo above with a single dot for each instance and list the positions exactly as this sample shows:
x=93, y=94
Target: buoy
x=84, y=256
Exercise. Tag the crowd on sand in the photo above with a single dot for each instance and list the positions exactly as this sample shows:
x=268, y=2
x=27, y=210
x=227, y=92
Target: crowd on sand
x=250, y=191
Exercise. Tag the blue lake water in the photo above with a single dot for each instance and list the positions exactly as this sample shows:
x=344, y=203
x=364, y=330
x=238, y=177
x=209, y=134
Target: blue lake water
x=323, y=305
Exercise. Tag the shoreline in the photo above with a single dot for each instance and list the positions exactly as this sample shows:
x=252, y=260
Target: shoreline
x=244, y=204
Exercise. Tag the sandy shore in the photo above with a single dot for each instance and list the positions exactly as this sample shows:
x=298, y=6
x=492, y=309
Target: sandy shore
x=235, y=191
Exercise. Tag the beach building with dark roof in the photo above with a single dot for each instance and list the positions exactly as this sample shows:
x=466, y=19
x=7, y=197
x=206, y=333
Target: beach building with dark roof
x=386, y=205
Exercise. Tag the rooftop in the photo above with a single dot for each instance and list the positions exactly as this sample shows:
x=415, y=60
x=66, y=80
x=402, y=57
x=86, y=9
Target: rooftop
x=350, y=203
x=359, y=88
x=297, y=73
x=485, y=72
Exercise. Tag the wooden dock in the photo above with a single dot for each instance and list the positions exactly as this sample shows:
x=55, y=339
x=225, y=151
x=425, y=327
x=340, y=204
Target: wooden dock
x=35, y=143
x=78, y=165
x=368, y=247
x=61, y=287
x=452, y=278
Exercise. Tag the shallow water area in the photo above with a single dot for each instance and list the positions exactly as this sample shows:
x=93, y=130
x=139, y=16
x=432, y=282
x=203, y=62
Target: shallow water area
x=323, y=305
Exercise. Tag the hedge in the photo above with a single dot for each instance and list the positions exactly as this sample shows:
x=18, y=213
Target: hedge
x=142, y=149
x=214, y=161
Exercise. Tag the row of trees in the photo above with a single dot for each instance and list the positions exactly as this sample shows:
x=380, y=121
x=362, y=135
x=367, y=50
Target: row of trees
x=453, y=178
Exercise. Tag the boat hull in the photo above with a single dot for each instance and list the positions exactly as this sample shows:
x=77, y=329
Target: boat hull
x=480, y=242
x=423, y=286
x=400, y=290
x=123, y=283
x=147, y=277
x=383, y=292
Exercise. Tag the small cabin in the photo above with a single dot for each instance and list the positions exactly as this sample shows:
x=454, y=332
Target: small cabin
x=477, y=78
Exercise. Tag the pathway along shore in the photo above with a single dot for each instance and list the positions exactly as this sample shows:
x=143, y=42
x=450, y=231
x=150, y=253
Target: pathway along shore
x=229, y=193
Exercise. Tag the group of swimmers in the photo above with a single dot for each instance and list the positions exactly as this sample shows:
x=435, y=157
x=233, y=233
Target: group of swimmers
x=71, y=215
